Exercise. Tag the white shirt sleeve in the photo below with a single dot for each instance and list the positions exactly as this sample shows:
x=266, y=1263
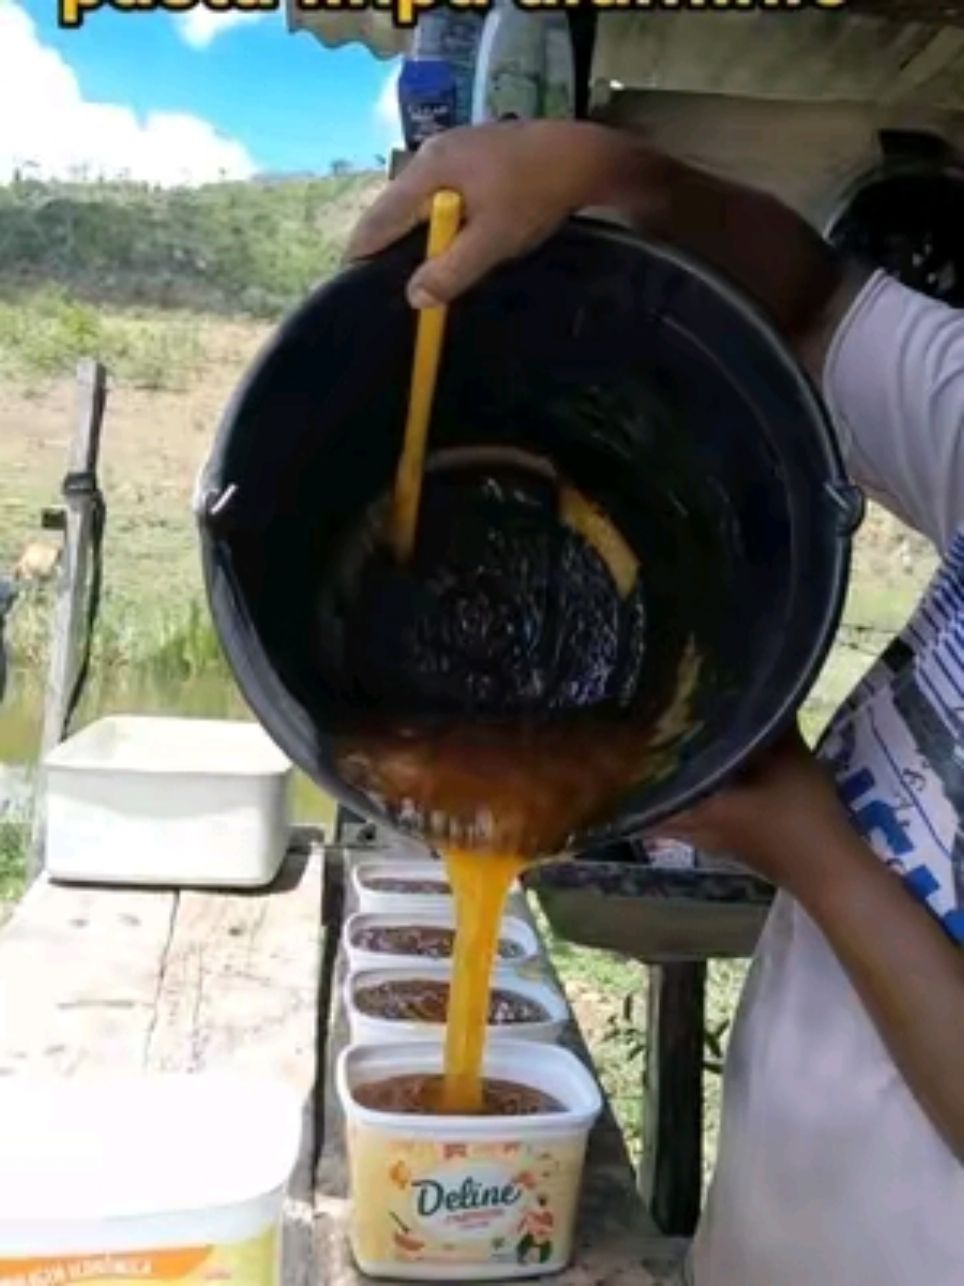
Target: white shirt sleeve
x=894, y=382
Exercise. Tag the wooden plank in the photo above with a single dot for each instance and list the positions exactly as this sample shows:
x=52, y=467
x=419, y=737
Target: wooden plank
x=72, y=587
x=671, y=1168
x=161, y=981
x=239, y=983
x=239, y=988
x=148, y=980
x=616, y=1244
x=79, y=971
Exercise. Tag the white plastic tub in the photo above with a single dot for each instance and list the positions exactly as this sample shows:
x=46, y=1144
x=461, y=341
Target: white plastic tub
x=367, y=1030
x=179, y=1179
x=137, y=800
x=452, y=1198
x=375, y=901
x=359, y=958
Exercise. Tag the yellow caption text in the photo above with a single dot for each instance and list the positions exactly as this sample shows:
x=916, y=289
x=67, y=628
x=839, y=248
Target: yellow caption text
x=404, y=13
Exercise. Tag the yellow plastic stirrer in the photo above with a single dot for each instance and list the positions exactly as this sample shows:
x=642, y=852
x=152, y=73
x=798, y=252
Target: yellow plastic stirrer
x=443, y=227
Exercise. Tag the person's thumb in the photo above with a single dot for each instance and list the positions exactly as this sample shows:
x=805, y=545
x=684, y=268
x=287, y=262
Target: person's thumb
x=479, y=247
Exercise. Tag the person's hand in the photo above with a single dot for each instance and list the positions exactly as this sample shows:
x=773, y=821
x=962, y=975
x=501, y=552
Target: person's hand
x=781, y=817
x=518, y=182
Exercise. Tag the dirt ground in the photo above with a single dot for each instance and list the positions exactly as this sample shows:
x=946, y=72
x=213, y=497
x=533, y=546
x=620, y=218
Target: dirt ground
x=153, y=445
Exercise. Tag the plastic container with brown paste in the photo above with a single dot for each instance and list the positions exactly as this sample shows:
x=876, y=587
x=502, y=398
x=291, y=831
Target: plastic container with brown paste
x=393, y=885
x=398, y=940
x=390, y=1005
x=456, y=1198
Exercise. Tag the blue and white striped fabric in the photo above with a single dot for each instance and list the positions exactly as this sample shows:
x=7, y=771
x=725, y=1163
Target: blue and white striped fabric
x=896, y=748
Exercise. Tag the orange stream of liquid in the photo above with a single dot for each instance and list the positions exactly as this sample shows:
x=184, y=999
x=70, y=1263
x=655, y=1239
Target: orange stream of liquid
x=480, y=884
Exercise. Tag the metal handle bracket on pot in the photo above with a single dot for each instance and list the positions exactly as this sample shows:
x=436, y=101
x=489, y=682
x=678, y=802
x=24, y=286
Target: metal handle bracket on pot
x=209, y=503
x=850, y=504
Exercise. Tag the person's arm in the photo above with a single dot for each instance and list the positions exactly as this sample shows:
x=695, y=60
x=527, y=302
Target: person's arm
x=786, y=822
x=894, y=380
x=891, y=362
x=520, y=180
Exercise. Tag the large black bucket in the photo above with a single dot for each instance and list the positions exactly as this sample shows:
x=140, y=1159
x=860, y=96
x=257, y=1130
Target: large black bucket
x=654, y=386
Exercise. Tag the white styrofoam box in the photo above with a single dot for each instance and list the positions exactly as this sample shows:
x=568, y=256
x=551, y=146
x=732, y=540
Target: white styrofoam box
x=369, y=1030
x=139, y=800
x=516, y=931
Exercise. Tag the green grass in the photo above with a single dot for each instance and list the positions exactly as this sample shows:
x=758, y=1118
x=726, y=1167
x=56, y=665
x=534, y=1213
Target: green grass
x=13, y=855
x=167, y=643
x=44, y=333
x=230, y=248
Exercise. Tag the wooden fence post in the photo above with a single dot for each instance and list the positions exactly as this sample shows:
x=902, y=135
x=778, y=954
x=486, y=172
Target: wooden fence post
x=80, y=501
x=671, y=1167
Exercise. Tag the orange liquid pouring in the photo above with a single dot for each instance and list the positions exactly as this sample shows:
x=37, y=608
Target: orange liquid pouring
x=480, y=884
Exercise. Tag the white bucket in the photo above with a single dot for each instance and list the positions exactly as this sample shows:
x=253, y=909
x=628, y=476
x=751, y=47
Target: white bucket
x=452, y=1198
x=511, y=929
x=367, y=1030
x=380, y=902
x=170, y=1178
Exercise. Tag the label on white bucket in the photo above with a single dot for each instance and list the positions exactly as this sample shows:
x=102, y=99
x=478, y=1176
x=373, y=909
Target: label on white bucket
x=465, y=1204
x=254, y=1262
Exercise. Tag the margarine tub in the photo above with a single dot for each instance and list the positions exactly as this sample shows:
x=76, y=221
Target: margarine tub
x=398, y=885
x=399, y=939
x=449, y=1198
x=406, y=1004
x=173, y=1179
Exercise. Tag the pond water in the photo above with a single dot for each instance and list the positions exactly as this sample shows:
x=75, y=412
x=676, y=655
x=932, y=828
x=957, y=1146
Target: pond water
x=207, y=696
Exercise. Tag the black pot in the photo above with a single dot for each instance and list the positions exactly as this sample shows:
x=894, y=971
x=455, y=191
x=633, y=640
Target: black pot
x=905, y=214
x=651, y=384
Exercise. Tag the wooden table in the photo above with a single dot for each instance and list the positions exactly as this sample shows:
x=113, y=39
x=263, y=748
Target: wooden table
x=157, y=980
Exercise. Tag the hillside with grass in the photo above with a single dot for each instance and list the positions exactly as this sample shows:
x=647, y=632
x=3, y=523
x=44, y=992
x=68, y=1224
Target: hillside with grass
x=127, y=271
x=253, y=248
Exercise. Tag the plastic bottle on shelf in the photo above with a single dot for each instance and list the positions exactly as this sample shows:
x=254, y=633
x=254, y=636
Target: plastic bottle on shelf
x=559, y=80
x=427, y=99
x=452, y=37
x=510, y=65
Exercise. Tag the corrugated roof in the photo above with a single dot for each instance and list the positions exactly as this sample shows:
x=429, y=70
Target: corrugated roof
x=841, y=54
x=935, y=12
x=804, y=56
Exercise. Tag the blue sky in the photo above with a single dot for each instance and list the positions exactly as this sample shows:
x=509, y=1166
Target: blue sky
x=235, y=95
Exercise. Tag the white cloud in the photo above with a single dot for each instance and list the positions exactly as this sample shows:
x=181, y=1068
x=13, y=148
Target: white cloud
x=385, y=111
x=200, y=25
x=52, y=131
